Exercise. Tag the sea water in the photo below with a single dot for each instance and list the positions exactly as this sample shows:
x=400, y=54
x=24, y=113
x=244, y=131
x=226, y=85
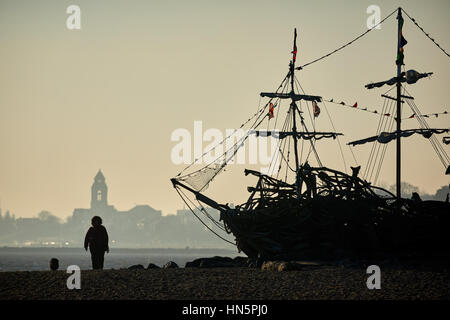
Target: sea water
x=37, y=259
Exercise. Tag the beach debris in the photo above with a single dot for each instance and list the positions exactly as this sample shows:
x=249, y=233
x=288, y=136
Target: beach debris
x=287, y=265
x=270, y=265
x=153, y=266
x=241, y=261
x=217, y=262
x=136, y=267
x=170, y=265
x=54, y=264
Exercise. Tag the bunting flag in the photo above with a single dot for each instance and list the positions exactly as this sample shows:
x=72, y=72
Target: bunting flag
x=403, y=42
x=385, y=114
x=316, y=109
x=271, y=108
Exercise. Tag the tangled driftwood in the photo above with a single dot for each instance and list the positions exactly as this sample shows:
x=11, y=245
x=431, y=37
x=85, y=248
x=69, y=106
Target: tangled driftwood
x=337, y=215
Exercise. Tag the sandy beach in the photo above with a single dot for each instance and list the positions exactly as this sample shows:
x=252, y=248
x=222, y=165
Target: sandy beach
x=315, y=282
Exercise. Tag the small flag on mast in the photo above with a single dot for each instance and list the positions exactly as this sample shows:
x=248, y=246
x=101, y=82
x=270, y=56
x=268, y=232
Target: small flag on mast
x=271, y=108
x=294, y=52
x=316, y=109
x=403, y=42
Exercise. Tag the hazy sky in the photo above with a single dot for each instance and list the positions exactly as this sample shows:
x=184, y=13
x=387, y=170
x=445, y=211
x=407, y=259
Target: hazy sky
x=109, y=95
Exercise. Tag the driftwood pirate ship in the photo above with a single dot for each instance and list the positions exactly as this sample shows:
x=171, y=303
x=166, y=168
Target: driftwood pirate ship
x=315, y=211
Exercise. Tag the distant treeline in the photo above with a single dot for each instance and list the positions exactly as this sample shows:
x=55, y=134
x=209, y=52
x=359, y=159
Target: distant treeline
x=408, y=189
x=125, y=231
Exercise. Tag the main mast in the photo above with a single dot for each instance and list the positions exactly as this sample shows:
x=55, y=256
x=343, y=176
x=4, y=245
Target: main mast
x=399, y=62
x=293, y=105
x=410, y=77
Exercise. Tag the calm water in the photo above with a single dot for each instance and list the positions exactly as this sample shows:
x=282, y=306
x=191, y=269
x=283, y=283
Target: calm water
x=34, y=259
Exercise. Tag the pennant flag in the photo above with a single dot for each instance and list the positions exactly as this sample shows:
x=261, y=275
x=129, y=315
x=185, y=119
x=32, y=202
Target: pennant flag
x=271, y=108
x=343, y=103
x=403, y=42
x=294, y=52
x=316, y=109
x=331, y=100
x=294, y=57
x=364, y=109
x=400, y=57
x=355, y=105
x=375, y=111
x=412, y=116
x=387, y=114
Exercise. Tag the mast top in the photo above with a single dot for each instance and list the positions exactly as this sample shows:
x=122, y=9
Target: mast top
x=294, y=50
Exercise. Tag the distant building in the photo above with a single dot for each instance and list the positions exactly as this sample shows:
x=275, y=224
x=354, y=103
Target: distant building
x=100, y=207
x=140, y=227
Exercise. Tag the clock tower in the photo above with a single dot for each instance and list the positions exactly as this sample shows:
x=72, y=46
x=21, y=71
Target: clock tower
x=99, y=192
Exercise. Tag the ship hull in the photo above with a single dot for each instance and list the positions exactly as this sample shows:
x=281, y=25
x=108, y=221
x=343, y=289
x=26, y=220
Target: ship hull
x=327, y=228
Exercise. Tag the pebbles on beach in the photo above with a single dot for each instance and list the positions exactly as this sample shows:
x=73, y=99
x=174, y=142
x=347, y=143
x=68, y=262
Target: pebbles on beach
x=318, y=282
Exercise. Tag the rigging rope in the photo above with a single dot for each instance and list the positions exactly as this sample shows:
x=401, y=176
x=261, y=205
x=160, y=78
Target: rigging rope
x=374, y=146
x=386, y=105
x=424, y=125
x=181, y=194
x=345, y=45
x=305, y=128
x=258, y=113
x=383, y=126
x=427, y=34
x=383, y=152
x=337, y=137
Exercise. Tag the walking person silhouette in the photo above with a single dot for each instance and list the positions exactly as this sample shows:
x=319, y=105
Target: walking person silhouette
x=97, y=241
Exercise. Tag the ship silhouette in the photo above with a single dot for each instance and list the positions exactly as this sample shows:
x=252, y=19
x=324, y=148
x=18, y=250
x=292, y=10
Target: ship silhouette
x=301, y=211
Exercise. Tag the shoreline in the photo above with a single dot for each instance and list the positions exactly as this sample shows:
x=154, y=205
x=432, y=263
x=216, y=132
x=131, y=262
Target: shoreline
x=38, y=259
x=124, y=248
